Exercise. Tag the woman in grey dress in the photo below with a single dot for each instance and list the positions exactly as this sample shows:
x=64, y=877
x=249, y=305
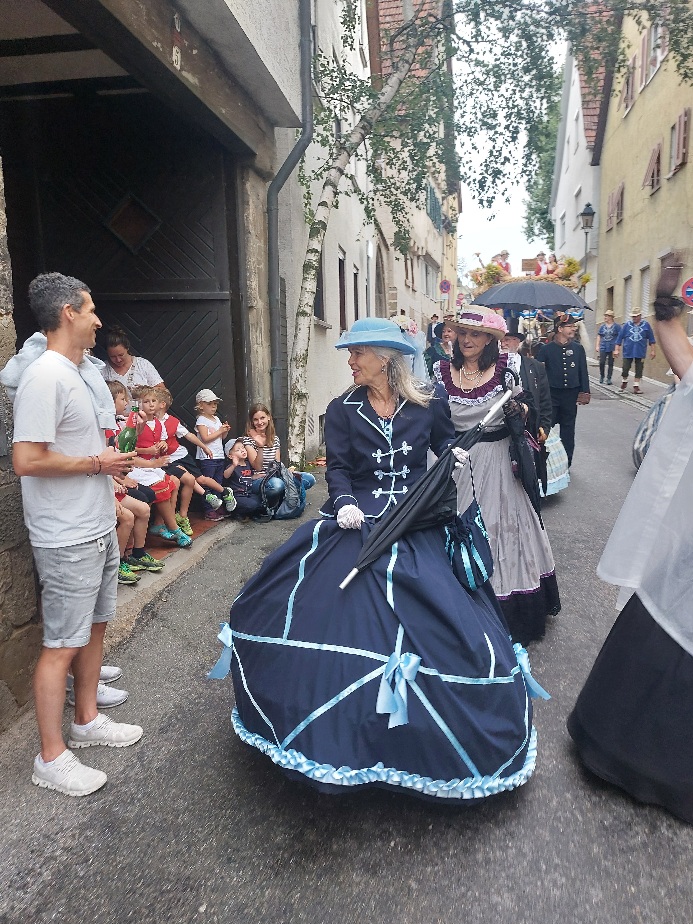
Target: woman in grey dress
x=524, y=577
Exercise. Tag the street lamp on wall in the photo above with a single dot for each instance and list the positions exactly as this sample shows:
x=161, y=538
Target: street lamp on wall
x=587, y=221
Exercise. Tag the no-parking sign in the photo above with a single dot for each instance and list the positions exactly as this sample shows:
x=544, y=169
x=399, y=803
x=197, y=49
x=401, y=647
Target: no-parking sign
x=445, y=286
x=687, y=291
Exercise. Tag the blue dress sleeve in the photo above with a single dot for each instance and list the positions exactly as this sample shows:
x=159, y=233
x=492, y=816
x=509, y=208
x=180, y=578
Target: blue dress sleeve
x=340, y=463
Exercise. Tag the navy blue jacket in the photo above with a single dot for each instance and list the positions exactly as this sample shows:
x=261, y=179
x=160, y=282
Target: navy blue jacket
x=374, y=463
x=566, y=366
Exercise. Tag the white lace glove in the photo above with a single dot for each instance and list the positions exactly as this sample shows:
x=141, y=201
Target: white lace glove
x=461, y=455
x=350, y=517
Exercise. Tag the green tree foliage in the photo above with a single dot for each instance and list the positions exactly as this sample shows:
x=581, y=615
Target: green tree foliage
x=480, y=72
x=541, y=151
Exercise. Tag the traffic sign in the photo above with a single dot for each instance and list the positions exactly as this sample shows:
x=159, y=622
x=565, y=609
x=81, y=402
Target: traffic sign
x=460, y=299
x=687, y=291
x=445, y=286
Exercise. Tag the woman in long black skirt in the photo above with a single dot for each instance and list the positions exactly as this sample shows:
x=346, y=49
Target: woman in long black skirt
x=633, y=721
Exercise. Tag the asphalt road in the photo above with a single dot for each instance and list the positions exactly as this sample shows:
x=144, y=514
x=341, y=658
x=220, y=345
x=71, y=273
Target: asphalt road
x=193, y=826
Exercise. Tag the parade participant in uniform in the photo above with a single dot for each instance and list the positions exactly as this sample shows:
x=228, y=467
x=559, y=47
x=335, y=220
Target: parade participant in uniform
x=632, y=720
x=405, y=679
x=606, y=341
x=566, y=368
x=524, y=578
x=431, y=336
x=635, y=335
x=533, y=379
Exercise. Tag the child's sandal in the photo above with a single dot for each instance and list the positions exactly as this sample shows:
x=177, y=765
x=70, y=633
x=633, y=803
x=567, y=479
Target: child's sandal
x=181, y=539
x=162, y=531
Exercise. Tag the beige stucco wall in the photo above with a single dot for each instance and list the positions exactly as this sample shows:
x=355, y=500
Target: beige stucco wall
x=654, y=223
x=254, y=245
x=20, y=633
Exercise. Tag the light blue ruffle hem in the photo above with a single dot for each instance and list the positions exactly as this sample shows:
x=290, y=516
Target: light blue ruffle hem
x=469, y=788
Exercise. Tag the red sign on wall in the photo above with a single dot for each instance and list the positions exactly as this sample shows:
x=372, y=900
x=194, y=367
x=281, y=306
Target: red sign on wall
x=687, y=291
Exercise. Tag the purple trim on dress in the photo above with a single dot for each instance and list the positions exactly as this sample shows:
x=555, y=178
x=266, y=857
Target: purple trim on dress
x=441, y=370
x=527, y=593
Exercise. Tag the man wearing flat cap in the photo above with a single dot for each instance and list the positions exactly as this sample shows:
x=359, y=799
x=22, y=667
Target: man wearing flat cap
x=566, y=369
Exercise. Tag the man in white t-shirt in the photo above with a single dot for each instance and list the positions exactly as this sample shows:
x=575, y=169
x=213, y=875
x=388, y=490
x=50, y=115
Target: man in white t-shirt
x=61, y=456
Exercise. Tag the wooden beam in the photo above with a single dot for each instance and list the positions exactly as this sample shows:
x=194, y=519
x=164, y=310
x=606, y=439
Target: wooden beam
x=44, y=45
x=152, y=43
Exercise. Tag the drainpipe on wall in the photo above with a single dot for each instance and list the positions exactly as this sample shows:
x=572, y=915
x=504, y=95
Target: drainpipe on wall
x=278, y=369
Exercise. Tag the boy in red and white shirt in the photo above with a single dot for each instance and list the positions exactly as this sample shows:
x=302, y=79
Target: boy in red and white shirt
x=192, y=480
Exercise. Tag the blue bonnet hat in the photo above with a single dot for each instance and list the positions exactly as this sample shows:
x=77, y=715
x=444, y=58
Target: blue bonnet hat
x=375, y=332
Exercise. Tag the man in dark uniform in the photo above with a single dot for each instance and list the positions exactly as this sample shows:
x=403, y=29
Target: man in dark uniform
x=533, y=380
x=431, y=337
x=566, y=369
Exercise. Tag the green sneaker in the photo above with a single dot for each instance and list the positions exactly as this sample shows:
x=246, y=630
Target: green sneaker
x=146, y=563
x=184, y=525
x=213, y=501
x=126, y=575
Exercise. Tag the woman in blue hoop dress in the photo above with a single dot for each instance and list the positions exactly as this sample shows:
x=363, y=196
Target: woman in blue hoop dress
x=405, y=679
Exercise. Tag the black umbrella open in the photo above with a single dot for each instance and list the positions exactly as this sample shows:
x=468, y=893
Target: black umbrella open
x=534, y=293
x=433, y=499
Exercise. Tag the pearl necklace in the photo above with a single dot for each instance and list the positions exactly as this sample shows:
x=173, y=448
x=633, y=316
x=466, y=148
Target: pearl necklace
x=473, y=377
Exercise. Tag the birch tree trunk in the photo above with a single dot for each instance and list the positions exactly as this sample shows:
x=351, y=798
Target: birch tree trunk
x=298, y=384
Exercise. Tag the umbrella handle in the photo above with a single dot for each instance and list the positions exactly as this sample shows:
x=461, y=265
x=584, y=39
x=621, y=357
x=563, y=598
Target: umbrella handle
x=349, y=578
x=502, y=401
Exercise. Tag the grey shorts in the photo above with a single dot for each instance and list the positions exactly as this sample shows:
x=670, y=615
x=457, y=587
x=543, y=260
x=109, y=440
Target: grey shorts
x=79, y=584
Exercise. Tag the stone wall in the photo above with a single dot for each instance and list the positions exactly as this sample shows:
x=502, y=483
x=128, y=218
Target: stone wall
x=20, y=632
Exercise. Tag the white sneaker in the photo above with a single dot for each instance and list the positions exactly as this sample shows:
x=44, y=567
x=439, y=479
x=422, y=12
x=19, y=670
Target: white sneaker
x=110, y=673
x=106, y=697
x=106, y=732
x=68, y=775
x=230, y=502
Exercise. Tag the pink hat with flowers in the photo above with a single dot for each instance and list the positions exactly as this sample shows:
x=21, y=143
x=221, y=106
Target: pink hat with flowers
x=478, y=317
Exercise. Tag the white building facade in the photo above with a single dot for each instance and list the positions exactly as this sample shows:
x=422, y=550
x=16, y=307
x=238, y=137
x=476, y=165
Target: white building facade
x=576, y=179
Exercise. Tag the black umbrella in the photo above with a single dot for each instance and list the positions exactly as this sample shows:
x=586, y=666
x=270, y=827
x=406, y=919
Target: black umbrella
x=534, y=293
x=522, y=457
x=433, y=499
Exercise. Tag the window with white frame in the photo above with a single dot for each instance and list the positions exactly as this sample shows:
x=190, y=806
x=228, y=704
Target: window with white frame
x=654, y=47
x=430, y=280
x=577, y=223
x=627, y=294
x=561, y=230
x=627, y=97
x=644, y=288
x=576, y=130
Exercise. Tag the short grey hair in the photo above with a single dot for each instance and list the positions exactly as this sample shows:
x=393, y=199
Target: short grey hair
x=49, y=292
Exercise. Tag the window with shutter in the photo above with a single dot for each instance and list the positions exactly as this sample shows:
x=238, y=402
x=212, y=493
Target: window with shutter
x=653, y=174
x=645, y=288
x=644, y=46
x=619, y=202
x=678, y=151
x=628, y=294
